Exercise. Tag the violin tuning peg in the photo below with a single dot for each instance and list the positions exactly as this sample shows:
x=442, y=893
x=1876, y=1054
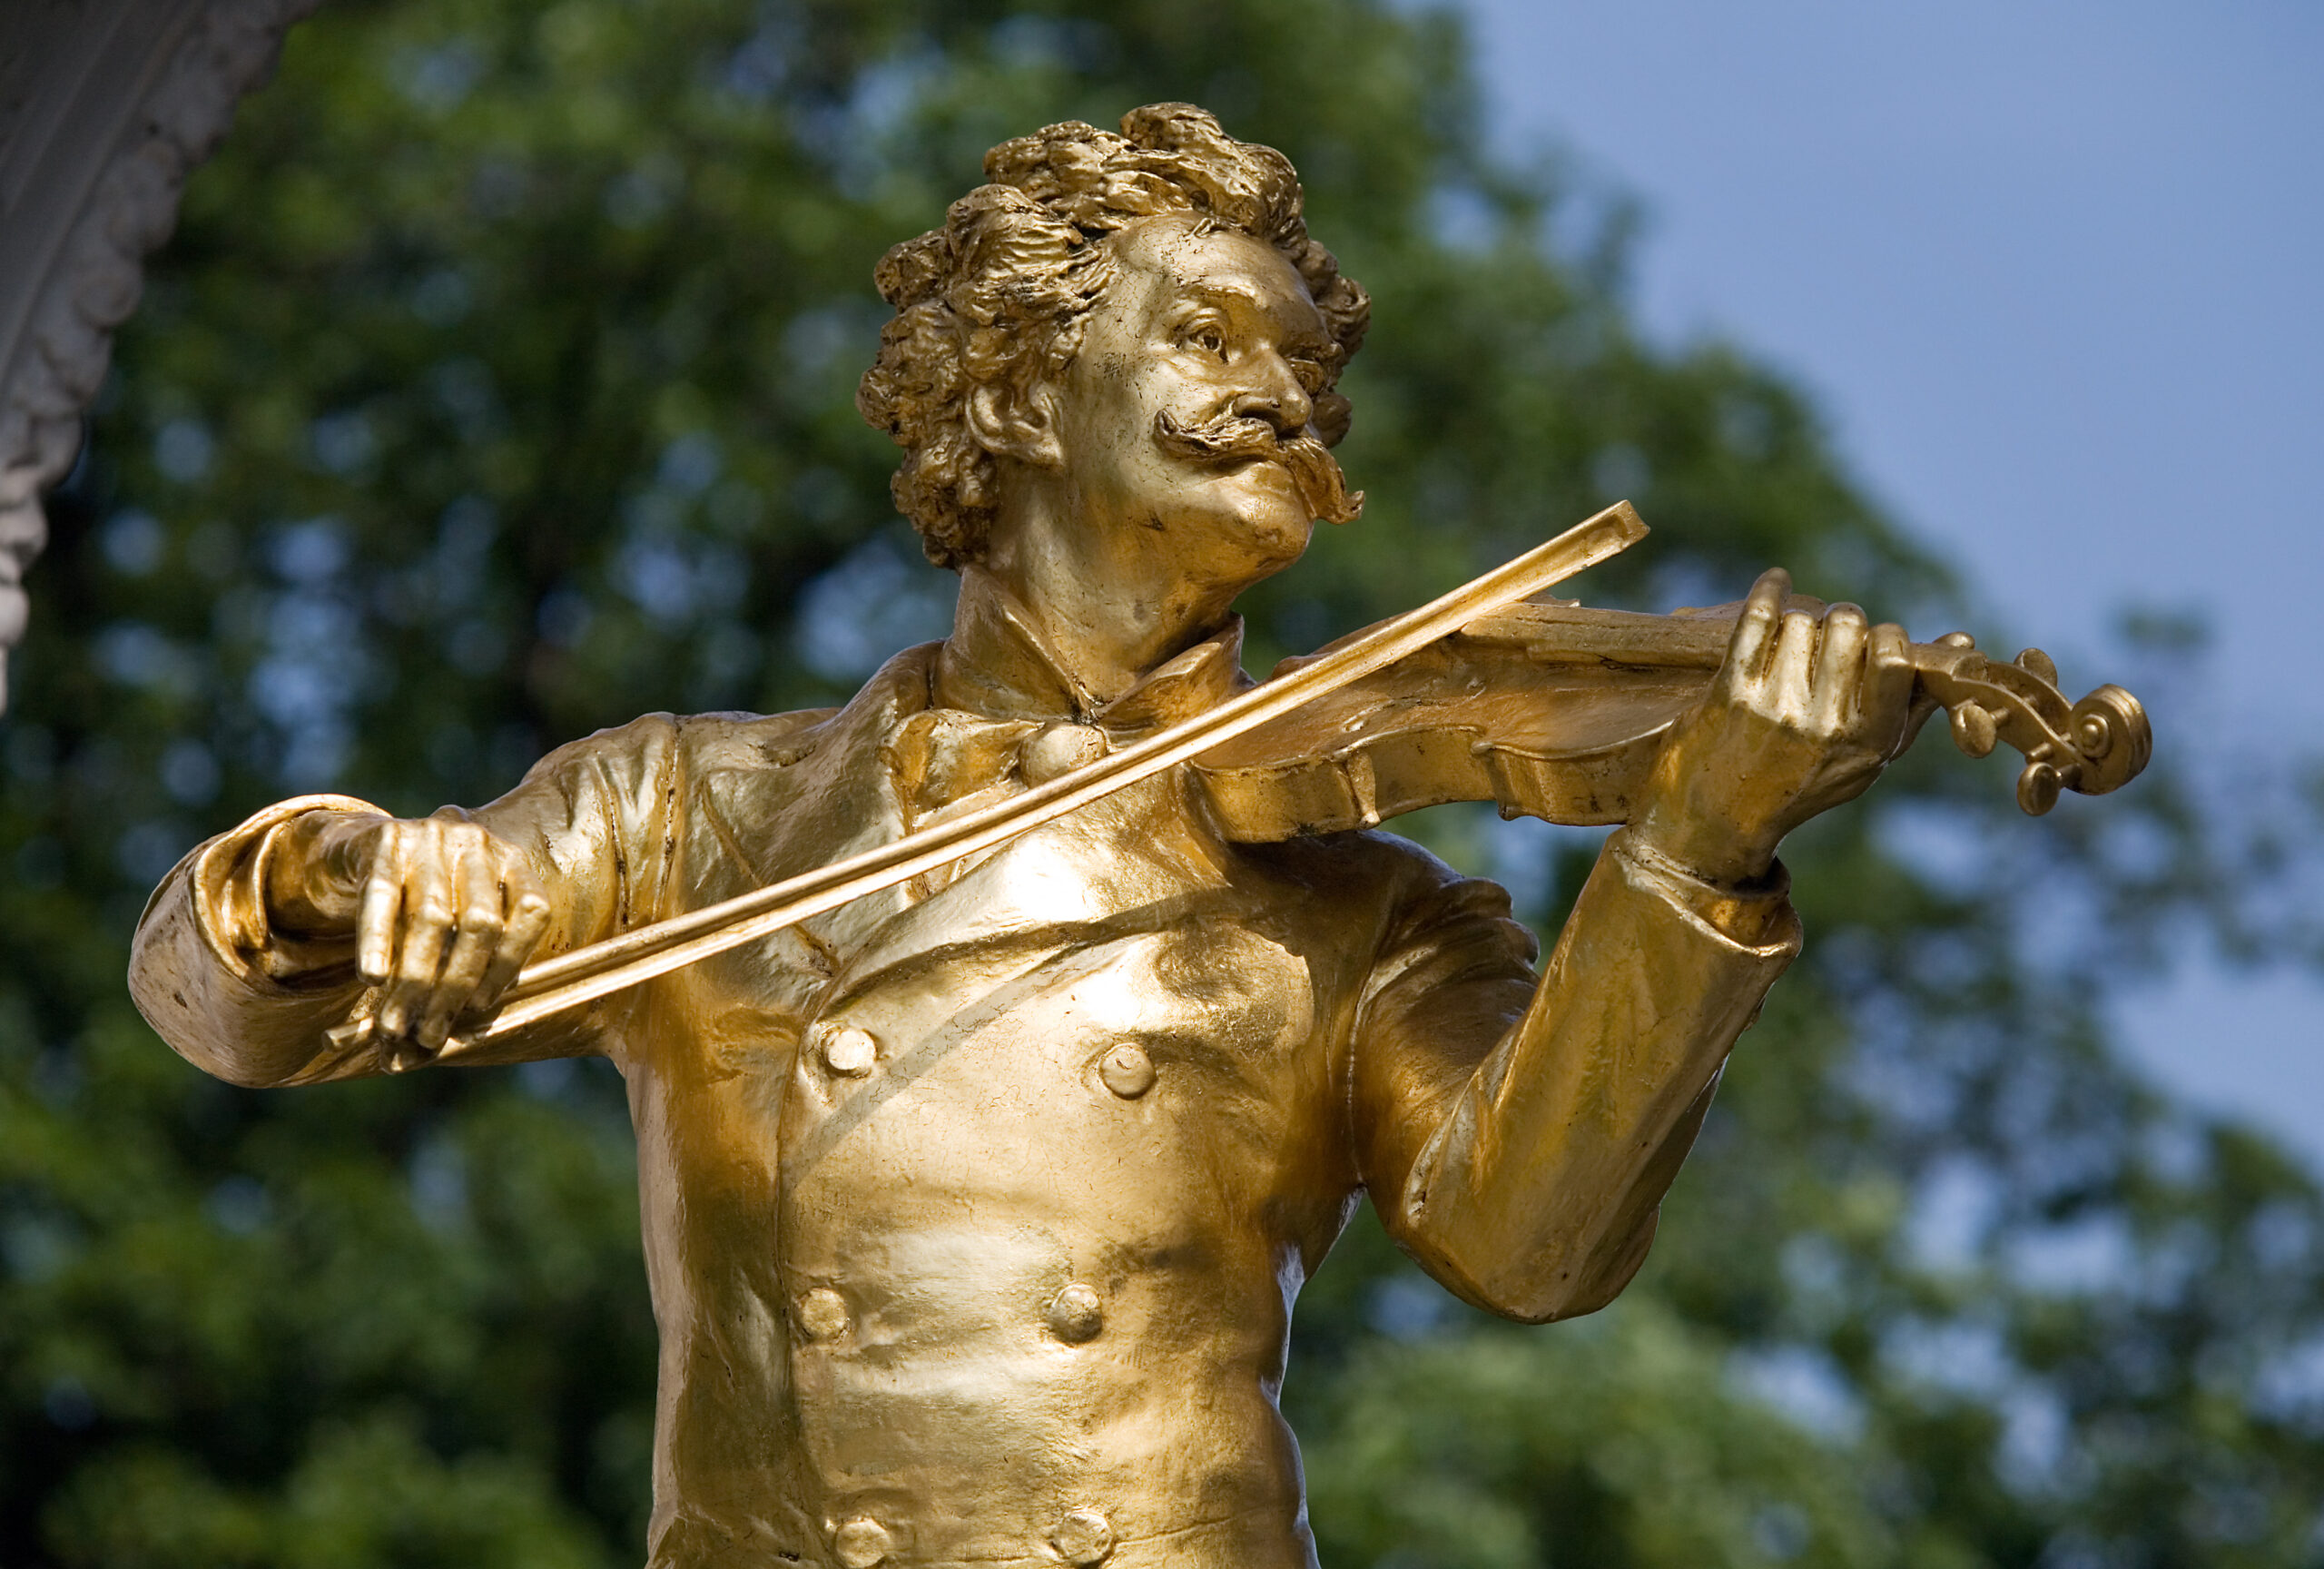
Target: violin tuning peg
x=2093, y=737
x=1974, y=729
x=2035, y=662
x=2037, y=788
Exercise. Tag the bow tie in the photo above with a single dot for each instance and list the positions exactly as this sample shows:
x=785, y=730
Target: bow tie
x=955, y=756
x=950, y=760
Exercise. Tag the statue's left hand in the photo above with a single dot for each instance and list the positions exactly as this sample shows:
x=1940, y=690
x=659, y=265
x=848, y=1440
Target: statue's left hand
x=1802, y=716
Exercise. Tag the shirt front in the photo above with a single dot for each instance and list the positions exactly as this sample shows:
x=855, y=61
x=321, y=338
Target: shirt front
x=975, y=1209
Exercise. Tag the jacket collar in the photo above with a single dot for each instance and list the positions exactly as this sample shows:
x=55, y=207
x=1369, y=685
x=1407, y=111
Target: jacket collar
x=997, y=664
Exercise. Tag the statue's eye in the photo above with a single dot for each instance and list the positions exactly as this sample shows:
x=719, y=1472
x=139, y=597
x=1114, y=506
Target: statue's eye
x=1209, y=339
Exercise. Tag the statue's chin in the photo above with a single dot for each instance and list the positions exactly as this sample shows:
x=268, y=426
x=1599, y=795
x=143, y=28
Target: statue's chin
x=1234, y=527
x=1277, y=538
x=1257, y=513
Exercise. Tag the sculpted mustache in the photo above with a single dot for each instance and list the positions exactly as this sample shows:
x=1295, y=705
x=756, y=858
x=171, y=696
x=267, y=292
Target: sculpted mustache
x=1322, y=487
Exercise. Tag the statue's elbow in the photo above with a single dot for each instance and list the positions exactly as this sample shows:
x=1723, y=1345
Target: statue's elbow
x=242, y=1072
x=226, y=1043
x=1535, y=1285
x=1551, y=1296
x=221, y=1059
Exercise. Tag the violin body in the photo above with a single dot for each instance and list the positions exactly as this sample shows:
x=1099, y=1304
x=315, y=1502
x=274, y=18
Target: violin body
x=1555, y=710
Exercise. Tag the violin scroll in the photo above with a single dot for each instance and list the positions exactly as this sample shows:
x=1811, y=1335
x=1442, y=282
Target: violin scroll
x=2089, y=747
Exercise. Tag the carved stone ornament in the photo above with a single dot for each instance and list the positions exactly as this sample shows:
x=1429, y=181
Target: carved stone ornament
x=105, y=106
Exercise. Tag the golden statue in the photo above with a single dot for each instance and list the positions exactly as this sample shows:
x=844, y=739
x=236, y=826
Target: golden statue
x=979, y=1180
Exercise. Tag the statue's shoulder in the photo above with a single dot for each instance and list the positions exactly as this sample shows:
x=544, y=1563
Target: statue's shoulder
x=654, y=750
x=654, y=743
x=730, y=743
x=723, y=742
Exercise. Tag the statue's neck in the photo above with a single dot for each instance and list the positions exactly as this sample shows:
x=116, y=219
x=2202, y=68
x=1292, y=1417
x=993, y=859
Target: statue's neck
x=1101, y=643
x=1108, y=609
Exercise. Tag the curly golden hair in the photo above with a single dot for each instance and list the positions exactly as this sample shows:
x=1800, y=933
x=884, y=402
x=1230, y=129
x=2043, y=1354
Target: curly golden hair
x=999, y=293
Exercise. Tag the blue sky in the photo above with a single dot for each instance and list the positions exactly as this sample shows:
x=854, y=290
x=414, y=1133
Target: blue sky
x=2052, y=270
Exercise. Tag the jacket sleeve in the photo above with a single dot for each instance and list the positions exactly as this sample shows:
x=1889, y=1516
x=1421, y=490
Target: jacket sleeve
x=254, y=1006
x=1517, y=1138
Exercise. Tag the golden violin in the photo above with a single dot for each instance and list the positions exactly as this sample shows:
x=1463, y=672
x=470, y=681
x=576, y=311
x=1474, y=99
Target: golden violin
x=1554, y=709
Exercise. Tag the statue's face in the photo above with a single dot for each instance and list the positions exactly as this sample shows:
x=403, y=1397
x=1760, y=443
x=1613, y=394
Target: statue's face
x=1197, y=327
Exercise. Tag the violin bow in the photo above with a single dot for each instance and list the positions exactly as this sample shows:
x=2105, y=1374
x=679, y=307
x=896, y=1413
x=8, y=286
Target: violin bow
x=585, y=973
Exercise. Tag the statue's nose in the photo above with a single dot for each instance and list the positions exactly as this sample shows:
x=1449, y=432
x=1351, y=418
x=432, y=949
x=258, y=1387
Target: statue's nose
x=1282, y=402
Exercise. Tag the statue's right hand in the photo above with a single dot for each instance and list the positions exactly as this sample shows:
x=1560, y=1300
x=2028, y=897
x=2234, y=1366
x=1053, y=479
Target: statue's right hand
x=443, y=913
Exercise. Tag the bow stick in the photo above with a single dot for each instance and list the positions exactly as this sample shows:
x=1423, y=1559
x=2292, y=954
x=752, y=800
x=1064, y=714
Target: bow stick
x=569, y=980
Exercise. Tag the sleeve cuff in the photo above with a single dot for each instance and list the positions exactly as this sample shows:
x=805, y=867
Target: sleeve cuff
x=228, y=877
x=1756, y=916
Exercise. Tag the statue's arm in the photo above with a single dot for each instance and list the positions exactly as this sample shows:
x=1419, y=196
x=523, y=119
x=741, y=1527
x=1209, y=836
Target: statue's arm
x=1530, y=1181
x=252, y=949
x=1523, y=1161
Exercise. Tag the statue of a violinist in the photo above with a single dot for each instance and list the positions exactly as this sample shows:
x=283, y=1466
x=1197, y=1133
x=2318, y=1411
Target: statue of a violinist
x=977, y=1187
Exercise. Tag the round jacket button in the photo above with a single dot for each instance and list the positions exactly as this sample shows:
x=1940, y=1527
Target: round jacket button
x=1127, y=1071
x=1075, y=1315
x=860, y=1543
x=1083, y=1537
x=1058, y=748
x=822, y=1313
x=846, y=1050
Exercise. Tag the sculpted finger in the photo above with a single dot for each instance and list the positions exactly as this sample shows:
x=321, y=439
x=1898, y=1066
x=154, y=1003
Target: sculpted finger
x=1840, y=678
x=1752, y=646
x=1791, y=674
x=375, y=919
x=477, y=936
x=1921, y=706
x=428, y=919
x=1894, y=707
x=528, y=922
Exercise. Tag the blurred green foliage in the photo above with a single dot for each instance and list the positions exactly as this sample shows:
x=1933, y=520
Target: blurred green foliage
x=498, y=387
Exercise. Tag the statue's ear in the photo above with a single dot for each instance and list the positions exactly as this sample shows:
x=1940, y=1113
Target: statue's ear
x=1019, y=423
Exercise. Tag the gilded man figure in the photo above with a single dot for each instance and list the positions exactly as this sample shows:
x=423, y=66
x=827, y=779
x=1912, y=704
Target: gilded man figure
x=975, y=1209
